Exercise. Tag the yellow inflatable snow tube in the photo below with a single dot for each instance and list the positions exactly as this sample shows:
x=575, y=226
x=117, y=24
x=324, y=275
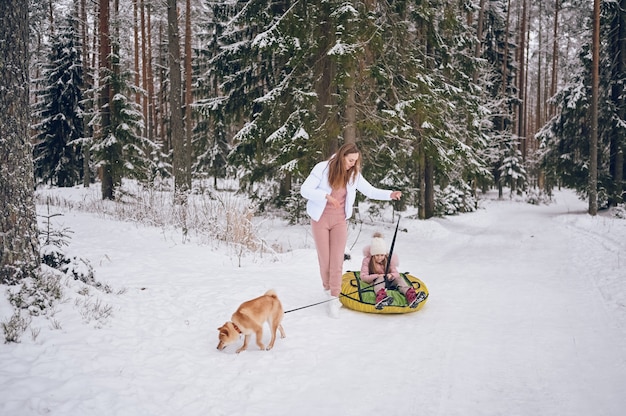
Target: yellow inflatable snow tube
x=360, y=296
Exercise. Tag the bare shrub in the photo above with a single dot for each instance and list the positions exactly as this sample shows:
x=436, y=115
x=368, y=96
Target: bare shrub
x=94, y=310
x=205, y=214
x=15, y=327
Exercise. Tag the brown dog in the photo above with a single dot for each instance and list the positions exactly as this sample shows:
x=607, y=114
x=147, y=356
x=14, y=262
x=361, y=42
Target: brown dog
x=249, y=318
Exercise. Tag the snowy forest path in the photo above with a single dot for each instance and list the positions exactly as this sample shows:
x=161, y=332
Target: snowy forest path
x=527, y=283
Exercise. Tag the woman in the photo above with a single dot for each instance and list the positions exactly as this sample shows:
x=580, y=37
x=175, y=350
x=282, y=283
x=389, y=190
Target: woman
x=330, y=190
x=373, y=268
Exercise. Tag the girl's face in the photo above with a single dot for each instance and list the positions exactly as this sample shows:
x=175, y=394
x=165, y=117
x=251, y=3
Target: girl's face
x=350, y=160
x=378, y=258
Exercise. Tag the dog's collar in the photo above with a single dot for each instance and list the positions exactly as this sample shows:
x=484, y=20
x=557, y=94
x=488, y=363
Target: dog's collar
x=236, y=327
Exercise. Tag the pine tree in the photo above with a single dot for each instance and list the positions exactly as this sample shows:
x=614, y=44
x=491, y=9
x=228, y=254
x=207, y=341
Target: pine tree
x=497, y=80
x=58, y=150
x=107, y=150
x=140, y=156
x=431, y=102
x=210, y=141
x=264, y=85
x=122, y=150
x=298, y=78
x=565, y=150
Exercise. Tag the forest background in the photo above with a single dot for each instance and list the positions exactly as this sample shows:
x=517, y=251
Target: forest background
x=445, y=98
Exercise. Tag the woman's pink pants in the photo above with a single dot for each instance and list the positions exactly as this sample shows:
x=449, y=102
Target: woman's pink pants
x=330, y=234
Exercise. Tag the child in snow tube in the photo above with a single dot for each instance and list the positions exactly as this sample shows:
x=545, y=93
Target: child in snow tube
x=373, y=267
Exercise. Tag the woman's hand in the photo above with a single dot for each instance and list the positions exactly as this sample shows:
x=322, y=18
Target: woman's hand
x=396, y=195
x=333, y=201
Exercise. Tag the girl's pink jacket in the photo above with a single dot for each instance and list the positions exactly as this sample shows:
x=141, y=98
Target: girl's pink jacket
x=365, y=266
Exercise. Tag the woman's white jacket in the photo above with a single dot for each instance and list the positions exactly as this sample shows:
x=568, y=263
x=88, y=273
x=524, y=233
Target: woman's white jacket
x=316, y=187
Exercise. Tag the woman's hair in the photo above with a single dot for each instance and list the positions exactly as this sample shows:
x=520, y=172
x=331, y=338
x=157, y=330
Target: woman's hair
x=338, y=176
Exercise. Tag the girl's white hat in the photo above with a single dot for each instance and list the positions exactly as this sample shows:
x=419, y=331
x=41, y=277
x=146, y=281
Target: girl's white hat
x=378, y=245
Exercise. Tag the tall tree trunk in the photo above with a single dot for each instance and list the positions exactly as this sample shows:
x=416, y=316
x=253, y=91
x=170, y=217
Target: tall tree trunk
x=505, y=57
x=527, y=100
x=325, y=73
x=181, y=169
x=349, y=129
x=146, y=70
x=479, y=35
x=421, y=213
x=429, y=182
x=136, y=50
x=618, y=175
x=152, y=118
x=521, y=123
x=18, y=222
x=555, y=55
x=539, y=103
x=428, y=169
x=108, y=182
x=144, y=65
x=51, y=16
x=161, y=99
x=86, y=148
x=593, y=145
x=188, y=79
x=618, y=142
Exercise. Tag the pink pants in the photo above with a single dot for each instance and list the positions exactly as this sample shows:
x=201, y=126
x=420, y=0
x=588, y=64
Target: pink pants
x=330, y=234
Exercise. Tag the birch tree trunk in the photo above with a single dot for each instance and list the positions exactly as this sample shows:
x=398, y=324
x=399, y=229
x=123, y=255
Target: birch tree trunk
x=18, y=222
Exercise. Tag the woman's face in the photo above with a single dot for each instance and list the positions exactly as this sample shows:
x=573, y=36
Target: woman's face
x=350, y=160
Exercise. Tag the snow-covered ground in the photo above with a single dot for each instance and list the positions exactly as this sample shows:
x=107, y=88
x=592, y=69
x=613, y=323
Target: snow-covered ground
x=526, y=316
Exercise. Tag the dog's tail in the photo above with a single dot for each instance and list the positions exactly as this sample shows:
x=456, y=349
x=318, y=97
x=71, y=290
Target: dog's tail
x=271, y=293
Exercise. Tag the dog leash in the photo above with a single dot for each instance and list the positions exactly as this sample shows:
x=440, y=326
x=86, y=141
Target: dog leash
x=313, y=304
x=324, y=301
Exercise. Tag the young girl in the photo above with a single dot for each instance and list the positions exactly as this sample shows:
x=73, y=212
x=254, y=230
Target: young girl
x=373, y=272
x=330, y=190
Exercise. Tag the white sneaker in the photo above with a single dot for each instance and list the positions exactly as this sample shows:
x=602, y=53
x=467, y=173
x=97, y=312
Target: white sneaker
x=333, y=307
